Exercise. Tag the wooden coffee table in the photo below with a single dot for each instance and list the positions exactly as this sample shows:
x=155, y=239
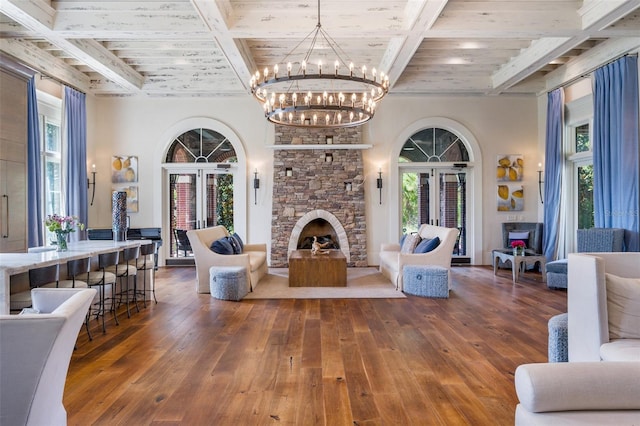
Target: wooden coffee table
x=519, y=262
x=320, y=270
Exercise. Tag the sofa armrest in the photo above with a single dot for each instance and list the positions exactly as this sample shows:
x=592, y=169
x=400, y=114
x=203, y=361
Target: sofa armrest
x=390, y=247
x=575, y=386
x=255, y=247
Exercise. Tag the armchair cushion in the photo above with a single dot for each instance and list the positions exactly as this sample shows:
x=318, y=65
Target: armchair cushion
x=222, y=246
x=623, y=307
x=410, y=243
x=427, y=245
x=519, y=236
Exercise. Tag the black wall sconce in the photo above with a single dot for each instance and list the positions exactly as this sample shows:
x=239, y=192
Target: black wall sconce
x=256, y=185
x=379, y=184
x=540, y=182
x=91, y=183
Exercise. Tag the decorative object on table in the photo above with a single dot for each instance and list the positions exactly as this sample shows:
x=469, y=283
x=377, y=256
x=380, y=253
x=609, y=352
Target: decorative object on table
x=119, y=215
x=62, y=226
x=510, y=198
x=124, y=169
x=518, y=247
x=316, y=247
x=509, y=168
x=132, y=197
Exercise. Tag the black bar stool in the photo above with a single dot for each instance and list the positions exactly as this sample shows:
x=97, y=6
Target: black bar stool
x=126, y=268
x=146, y=262
x=104, y=278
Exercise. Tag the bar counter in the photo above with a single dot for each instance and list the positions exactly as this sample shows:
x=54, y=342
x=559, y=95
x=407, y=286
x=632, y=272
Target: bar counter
x=17, y=263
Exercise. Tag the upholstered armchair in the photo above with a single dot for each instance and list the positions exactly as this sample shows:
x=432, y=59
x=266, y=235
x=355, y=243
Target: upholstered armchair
x=593, y=240
x=603, y=308
x=533, y=229
x=35, y=351
x=253, y=257
x=578, y=393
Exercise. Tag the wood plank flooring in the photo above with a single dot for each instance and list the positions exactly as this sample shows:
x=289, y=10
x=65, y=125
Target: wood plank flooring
x=195, y=360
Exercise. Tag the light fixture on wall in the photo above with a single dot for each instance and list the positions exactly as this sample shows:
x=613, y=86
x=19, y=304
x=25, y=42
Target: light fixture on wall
x=308, y=96
x=256, y=186
x=91, y=183
x=379, y=184
x=540, y=182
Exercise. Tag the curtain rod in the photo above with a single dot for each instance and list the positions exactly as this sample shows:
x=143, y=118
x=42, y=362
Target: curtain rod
x=588, y=74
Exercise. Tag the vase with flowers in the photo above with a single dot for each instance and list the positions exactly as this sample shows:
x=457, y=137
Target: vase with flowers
x=518, y=247
x=62, y=226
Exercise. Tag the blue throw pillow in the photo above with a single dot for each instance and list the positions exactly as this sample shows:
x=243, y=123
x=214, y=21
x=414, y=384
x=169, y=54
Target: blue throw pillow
x=426, y=245
x=238, y=242
x=222, y=246
x=404, y=236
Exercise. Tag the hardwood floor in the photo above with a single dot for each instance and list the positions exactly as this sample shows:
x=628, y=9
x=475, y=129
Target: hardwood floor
x=195, y=360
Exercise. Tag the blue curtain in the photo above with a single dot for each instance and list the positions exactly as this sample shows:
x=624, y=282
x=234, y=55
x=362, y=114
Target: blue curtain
x=75, y=118
x=553, y=173
x=34, y=170
x=615, y=149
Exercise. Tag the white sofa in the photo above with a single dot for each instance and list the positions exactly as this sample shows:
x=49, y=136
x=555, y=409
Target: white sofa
x=392, y=260
x=35, y=351
x=253, y=257
x=578, y=393
x=588, y=315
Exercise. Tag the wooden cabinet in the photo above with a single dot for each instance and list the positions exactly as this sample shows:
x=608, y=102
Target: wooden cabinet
x=13, y=161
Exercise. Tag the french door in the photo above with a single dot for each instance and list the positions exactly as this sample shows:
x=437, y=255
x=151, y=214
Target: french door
x=198, y=198
x=436, y=196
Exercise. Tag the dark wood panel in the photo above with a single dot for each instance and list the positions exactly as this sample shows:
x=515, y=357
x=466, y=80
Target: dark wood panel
x=192, y=359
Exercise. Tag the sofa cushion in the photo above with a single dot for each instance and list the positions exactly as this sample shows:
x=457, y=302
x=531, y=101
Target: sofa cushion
x=623, y=307
x=222, y=246
x=621, y=350
x=558, y=266
x=427, y=245
x=410, y=243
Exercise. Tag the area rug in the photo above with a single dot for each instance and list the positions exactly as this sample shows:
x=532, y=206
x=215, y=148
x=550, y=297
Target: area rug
x=362, y=283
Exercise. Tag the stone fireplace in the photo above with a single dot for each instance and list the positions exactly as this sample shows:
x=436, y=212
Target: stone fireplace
x=318, y=189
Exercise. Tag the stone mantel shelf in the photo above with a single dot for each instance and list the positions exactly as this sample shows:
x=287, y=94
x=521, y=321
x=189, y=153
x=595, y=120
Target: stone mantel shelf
x=321, y=146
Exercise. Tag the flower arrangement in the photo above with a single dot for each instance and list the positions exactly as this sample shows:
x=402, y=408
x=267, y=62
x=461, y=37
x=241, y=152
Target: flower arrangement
x=62, y=226
x=518, y=244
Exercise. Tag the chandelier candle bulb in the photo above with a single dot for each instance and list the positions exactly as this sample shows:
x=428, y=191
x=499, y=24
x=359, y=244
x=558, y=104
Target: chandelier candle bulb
x=288, y=69
x=275, y=71
x=319, y=67
x=337, y=65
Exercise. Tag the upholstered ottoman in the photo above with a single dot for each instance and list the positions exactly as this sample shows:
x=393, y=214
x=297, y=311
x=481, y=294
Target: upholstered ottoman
x=228, y=282
x=557, y=274
x=558, y=339
x=426, y=281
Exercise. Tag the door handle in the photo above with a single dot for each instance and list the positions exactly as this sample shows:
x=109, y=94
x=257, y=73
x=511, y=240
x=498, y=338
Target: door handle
x=6, y=216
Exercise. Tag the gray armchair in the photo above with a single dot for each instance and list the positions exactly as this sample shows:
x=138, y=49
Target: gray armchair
x=593, y=240
x=533, y=228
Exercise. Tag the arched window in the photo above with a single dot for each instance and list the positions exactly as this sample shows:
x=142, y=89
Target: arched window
x=434, y=184
x=200, y=186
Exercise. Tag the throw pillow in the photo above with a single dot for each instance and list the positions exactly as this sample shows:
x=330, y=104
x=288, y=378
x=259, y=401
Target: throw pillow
x=238, y=240
x=404, y=237
x=519, y=235
x=427, y=245
x=222, y=246
x=623, y=306
x=410, y=243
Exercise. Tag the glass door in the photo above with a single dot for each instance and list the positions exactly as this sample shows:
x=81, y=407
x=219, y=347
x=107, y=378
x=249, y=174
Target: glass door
x=437, y=196
x=198, y=198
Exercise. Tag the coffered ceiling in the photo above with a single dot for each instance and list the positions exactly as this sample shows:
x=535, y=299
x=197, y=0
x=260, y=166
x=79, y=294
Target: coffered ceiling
x=212, y=47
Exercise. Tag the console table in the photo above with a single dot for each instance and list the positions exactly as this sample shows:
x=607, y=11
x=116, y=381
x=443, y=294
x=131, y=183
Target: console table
x=328, y=269
x=518, y=262
x=16, y=263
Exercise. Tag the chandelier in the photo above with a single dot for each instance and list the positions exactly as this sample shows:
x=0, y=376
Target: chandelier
x=313, y=93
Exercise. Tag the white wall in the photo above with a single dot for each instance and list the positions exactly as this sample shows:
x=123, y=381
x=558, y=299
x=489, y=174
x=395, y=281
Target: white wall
x=139, y=126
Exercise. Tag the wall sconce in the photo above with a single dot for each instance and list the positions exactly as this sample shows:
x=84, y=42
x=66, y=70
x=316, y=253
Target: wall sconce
x=328, y=157
x=379, y=184
x=92, y=182
x=256, y=185
x=540, y=182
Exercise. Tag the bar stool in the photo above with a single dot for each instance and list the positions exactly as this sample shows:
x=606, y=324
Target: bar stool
x=146, y=262
x=104, y=278
x=75, y=268
x=124, y=270
x=38, y=277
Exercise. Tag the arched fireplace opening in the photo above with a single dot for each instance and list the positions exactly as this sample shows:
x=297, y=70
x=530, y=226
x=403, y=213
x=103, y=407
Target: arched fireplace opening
x=319, y=223
x=321, y=229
